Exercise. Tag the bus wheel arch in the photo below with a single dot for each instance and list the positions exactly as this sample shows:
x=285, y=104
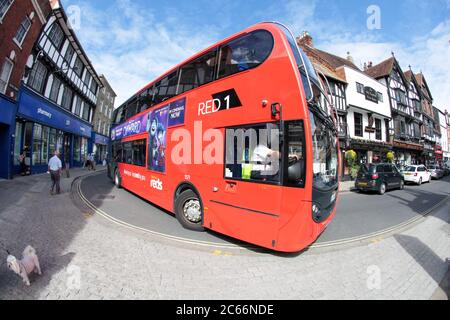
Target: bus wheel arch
x=117, y=178
x=187, y=198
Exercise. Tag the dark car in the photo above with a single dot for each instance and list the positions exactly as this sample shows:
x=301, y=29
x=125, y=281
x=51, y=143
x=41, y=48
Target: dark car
x=379, y=177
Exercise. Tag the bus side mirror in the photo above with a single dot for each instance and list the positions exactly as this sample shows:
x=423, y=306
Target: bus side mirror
x=296, y=171
x=276, y=109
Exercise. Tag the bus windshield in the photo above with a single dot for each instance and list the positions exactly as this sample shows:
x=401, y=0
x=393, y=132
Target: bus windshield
x=325, y=154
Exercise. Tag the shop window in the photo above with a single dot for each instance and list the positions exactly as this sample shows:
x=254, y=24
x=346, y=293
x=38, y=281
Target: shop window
x=37, y=144
x=52, y=142
x=18, y=143
x=77, y=149
x=27, y=142
x=44, y=149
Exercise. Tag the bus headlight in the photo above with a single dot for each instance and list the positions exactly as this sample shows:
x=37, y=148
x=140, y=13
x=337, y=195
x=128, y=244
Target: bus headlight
x=316, y=212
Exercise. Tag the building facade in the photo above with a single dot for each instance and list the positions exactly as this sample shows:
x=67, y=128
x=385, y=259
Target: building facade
x=21, y=22
x=369, y=116
x=103, y=119
x=56, y=97
x=447, y=153
x=428, y=135
x=444, y=136
x=407, y=120
x=325, y=65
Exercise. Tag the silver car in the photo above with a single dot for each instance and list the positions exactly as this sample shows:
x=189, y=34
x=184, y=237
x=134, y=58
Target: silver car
x=436, y=172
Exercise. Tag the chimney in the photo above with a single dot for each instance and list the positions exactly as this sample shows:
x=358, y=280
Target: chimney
x=305, y=39
x=365, y=66
x=349, y=57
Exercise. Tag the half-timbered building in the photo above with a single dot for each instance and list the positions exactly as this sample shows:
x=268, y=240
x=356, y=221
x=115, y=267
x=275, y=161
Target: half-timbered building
x=429, y=138
x=405, y=136
x=325, y=64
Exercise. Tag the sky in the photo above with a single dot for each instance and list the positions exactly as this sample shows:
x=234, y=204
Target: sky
x=132, y=42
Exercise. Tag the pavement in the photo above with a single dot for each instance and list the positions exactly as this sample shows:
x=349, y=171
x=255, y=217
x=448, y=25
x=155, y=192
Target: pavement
x=84, y=256
x=347, y=186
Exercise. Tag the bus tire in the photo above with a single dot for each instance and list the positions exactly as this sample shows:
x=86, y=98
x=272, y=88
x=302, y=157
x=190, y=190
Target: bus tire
x=189, y=211
x=117, y=179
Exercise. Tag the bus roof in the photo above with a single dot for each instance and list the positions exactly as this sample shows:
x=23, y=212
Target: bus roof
x=198, y=54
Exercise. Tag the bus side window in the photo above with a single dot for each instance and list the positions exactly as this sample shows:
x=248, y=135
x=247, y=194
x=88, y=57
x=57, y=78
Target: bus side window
x=127, y=153
x=245, y=52
x=117, y=152
x=296, y=161
x=253, y=153
x=167, y=87
x=198, y=72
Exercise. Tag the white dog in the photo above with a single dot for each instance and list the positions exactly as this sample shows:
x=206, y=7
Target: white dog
x=26, y=266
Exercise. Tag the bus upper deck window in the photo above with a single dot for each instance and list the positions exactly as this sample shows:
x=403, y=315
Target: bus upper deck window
x=246, y=52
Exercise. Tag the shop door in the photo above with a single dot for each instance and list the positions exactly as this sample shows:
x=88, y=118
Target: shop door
x=66, y=150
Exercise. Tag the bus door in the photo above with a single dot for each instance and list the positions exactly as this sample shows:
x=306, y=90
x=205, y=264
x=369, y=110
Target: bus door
x=247, y=203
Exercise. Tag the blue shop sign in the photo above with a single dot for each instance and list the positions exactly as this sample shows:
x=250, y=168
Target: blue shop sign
x=7, y=110
x=99, y=139
x=35, y=108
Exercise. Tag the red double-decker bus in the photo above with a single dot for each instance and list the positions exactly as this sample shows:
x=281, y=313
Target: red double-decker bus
x=238, y=139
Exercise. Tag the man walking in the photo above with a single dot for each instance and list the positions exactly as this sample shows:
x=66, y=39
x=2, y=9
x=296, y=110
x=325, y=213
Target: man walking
x=55, y=167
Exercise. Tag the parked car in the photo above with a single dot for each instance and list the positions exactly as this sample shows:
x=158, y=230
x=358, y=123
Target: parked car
x=436, y=172
x=379, y=177
x=446, y=168
x=417, y=174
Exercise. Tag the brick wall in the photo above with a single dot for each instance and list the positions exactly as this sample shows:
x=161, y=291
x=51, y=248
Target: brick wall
x=8, y=29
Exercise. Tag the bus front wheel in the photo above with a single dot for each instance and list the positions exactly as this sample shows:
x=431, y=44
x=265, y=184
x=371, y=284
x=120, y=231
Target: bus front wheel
x=189, y=211
x=117, y=179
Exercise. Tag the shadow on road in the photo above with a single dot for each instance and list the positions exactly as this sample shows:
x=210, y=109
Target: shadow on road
x=428, y=260
x=29, y=215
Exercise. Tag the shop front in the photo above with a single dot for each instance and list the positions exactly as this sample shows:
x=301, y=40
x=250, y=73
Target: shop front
x=370, y=151
x=408, y=154
x=439, y=154
x=41, y=128
x=7, y=113
x=100, y=148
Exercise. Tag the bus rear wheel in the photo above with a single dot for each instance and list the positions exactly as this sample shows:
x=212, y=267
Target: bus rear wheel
x=189, y=211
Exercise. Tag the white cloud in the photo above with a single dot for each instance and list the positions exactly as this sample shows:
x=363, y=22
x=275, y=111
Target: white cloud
x=429, y=53
x=132, y=48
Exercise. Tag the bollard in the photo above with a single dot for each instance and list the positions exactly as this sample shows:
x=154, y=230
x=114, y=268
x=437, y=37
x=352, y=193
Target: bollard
x=67, y=171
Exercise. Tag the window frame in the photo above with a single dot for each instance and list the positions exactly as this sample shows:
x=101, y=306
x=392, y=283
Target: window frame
x=8, y=78
x=378, y=130
x=358, y=87
x=281, y=169
x=25, y=32
x=51, y=33
x=6, y=10
x=355, y=114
